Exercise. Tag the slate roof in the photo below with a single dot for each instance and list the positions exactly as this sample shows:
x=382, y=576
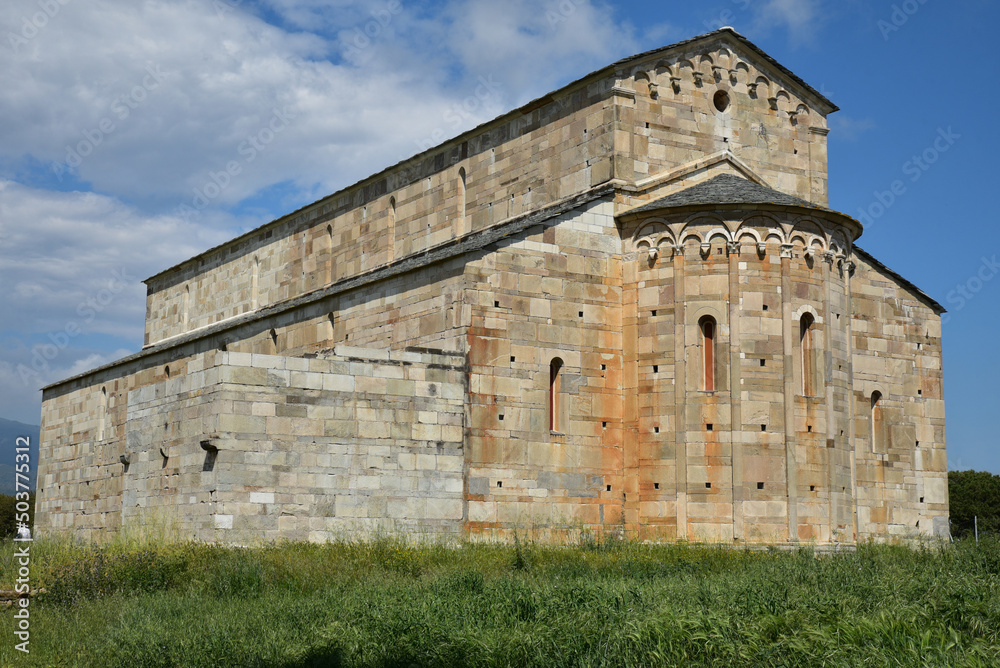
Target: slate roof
x=725, y=189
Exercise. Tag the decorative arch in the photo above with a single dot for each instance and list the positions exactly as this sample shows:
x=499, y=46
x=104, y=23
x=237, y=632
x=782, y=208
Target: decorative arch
x=744, y=69
x=760, y=88
x=718, y=232
x=743, y=232
x=782, y=100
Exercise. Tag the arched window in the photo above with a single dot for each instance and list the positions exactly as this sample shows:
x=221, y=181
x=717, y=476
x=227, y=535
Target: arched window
x=555, y=392
x=392, y=229
x=708, y=331
x=462, y=201
x=807, y=361
x=877, y=424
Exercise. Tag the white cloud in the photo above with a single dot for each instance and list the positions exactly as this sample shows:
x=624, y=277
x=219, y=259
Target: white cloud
x=62, y=250
x=150, y=101
x=849, y=128
x=800, y=17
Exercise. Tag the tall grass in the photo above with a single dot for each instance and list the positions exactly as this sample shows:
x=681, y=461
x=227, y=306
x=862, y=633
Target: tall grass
x=614, y=603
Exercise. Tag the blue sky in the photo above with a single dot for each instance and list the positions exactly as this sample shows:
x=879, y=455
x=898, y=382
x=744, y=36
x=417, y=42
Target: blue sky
x=121, y=117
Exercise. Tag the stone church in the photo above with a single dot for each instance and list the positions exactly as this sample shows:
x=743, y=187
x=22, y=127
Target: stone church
x=624, y=307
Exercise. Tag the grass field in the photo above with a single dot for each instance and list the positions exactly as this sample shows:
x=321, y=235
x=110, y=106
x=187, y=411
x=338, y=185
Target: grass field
x=387, y=603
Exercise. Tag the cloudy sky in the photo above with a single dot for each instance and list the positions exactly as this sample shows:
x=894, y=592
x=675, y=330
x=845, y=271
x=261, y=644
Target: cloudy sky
x=119, y=117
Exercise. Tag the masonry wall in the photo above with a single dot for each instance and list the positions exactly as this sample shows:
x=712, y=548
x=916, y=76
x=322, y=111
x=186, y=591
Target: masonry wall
x=552, y=292
x=672, y=120
x=896, y=340
x=401, y=212
x=630, y=125
x=247, y=446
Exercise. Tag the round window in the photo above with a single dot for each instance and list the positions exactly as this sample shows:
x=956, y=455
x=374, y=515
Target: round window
x=721, y=100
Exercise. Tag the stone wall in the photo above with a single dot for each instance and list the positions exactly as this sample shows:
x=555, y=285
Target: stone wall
x=896, y=343
x=609, y=126
x=243, y=447
x=553, y=292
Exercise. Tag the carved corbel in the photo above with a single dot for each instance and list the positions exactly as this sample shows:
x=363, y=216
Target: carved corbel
x=654, y=253
x=653, y=90
x=829, y=257
x=678, y=250
x=734, y=247
x=706, y=249
x=717, y=72
x=675, y=83
x=698, y=78
x=761, y=248
x=793, y=116
x=786, y=250
x=752, y=89
x=810, y=253
x=773, y=101
x=732, y=75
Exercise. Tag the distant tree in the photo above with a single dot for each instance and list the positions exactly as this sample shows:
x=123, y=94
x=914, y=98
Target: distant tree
x=973, y=494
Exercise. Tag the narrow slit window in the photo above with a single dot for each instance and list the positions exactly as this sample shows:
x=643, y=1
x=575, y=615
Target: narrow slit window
x=555, y=390
x=103, y=411
x=391, y=231
x=462, y=201
x=329, y=250
x=807, y=335
x=877, y=426
x=255, y=284
x=708, y=331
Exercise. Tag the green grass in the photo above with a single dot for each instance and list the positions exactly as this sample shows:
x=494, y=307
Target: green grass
x=387, y=603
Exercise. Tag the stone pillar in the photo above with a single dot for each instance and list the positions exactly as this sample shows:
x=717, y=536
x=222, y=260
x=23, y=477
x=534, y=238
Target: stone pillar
x=680, y=392
x=630, y=394
x=788, y=338
x=844, y=266
x=736, y=389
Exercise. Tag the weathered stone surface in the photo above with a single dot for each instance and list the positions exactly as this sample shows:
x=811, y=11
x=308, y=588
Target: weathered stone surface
x=508, y=331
